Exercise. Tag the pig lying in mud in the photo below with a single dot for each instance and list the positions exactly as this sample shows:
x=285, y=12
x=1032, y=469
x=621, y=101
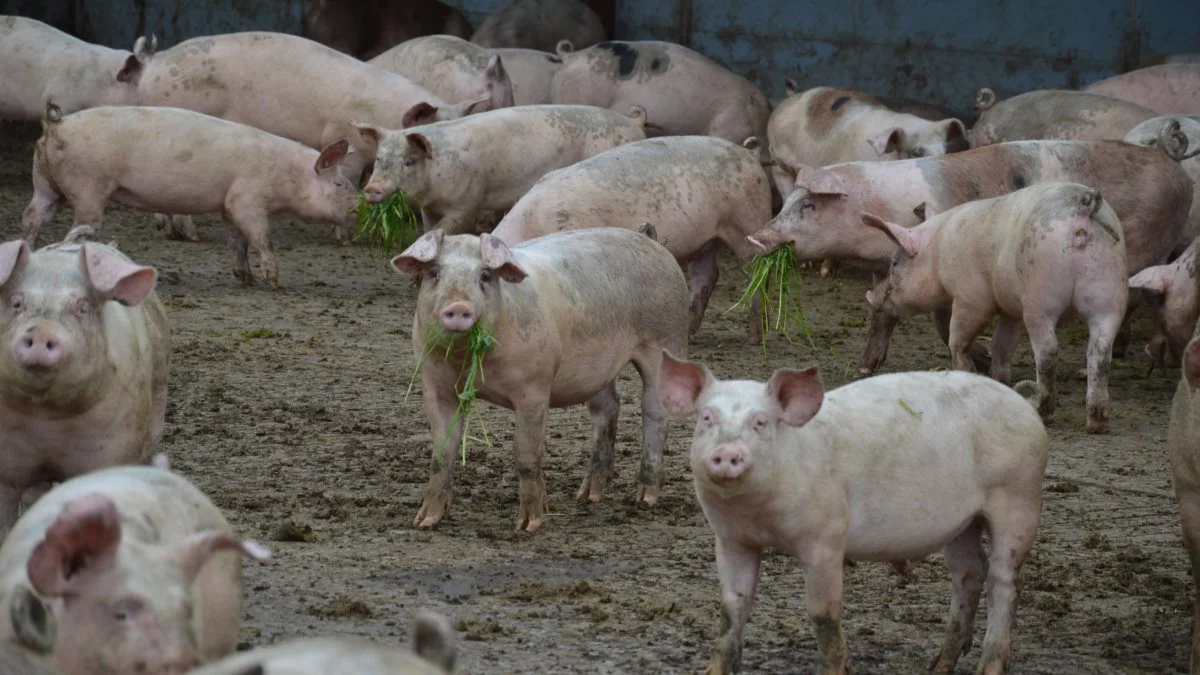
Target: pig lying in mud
x=699, y=192
x=136, y=566
x=1054, y=114
x=451, y=68
x=366, y=28
x=459, y=169
x=1172, y=89
x=891, y=469
x=433, y=653
x=682, y=91
x=83, y=368
x=39, y=63
x=1147, y=189
x=568, y=312
x=1031, y=257
x=179, y=161
x=1183, y=449
x=540, y=24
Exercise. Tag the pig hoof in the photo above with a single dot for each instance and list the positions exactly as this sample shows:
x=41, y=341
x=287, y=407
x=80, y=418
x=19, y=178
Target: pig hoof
x=432, y=512
x=593, y=487
x=648, y=495
x=244, y=276
x=828, y=269
x=864, y=372
x=529, y=525
x=942, y=664
x=1097, y=422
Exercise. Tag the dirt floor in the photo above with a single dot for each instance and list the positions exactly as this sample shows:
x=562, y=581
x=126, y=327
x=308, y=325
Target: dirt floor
x=288, y=408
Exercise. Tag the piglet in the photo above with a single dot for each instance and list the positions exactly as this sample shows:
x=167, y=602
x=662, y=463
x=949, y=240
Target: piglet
x=433, y=653
x=892, y=468
x=1032, y=257
x=1183, y=447
x=568, y=312
x=186, y=163
x=83, y=364
x=137, y=567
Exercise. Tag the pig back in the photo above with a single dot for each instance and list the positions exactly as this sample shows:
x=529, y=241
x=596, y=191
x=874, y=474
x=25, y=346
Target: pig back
x=1056, y=114
x=322, y=656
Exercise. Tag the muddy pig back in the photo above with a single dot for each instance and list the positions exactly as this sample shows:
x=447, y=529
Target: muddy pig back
x=1054, y=114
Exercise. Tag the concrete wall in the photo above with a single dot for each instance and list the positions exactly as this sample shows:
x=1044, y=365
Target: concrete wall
x=940, y=51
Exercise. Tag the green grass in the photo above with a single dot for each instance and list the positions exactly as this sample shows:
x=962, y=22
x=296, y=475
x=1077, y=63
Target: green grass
x=473, y=346
x=258, y=334
x=387, y=226
x=775, y=278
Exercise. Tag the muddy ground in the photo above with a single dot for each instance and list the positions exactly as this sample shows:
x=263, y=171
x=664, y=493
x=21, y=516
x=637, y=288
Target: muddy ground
x=288, y=409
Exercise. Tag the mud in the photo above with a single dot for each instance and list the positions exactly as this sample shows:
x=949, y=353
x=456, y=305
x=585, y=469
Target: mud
x=288, y=408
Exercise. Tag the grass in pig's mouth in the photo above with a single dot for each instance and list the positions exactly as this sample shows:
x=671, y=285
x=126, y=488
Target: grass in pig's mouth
x=474, y=345
x=389, y=225
x=774, y=277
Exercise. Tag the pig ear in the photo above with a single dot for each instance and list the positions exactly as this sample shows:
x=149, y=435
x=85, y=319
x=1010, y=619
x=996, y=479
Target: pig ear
x=497, y=256
x=819, y=181
x=83, y=540
x=14, y=255
x=472, y=107
x=791, y=87
x=131, y=70
x=1191, y=363
x=32, y=622
x=680, y=384
x=433, y=640
x=421, y=143
x=192, y=553
x=332, y=155
x=1156, y=279
x=889, y=141
x=799, y=393
x=904, y=237
x=114, y=277
x=421, y=113
x=414, y=259
x=371, y=135
x=953, y=129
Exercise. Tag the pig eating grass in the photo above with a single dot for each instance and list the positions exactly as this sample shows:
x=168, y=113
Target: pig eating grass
x=1183, y=448
x=138, y=569
x=1031, y=257
x=182, y=162
x=433, y=653
x=568, y=312
x=890, y=469
x=83, y=364
x=459, y=169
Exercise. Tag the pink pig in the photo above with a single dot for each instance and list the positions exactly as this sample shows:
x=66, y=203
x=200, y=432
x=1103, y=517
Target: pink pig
x=1171, y=89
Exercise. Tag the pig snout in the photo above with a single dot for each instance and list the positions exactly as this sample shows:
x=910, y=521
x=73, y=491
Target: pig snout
x=727, y=462
x=458, y=317
x=39, y=346
x=373, y=192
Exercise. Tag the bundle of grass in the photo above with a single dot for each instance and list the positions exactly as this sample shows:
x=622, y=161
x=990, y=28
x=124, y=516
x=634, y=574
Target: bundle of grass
x=774, y=278
x=389, y=225
x=471, y=348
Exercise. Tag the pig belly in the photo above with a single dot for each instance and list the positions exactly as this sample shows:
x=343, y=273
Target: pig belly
x=893, y=527
x=586, y=370
x=170, y=199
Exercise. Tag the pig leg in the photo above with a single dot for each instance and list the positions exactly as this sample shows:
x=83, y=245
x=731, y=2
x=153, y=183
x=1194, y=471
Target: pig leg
x=1044, y=341
x=1004, y=343
x=604, y=407
x=41, y=208
x=704, y=280
x=1012, y=520
x=1189, y=512
x=176, y=227
x=968, y=568
x=441, y=402
x=529, y=441
x=979, y=355
x=654, y=425
x=966, y=323
x=823, y=595
x=882, y=325
x=254, y=225
x=737, y=568
x=1101, y=332
x=241, y=254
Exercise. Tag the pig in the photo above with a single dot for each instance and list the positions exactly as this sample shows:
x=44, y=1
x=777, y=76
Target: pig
x=697, y=191
x=1181, y=136
x=366, y=28
x=892, y=468
x=39, y=63
x=451, y=68
x=1052, y=114
x=568, y=312
x=185, y=162
x=1171, y=89
x=433, y=653
x=1182, y=436
x=459, y=169
x=136, y=567
x=1149, y=191
x=683, y=92
x=83, y=371
x=235, y=77
x=922, y=109
x=540, y=24
x=34, y=635
x=1031, y=257
x=531, y=72
x=1179, y=303
x=826, y=125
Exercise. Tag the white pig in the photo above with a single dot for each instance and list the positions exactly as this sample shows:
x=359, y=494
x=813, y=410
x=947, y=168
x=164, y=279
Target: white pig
x=39, y=63
x=137, y=568
x=183, y=162
x=83, y=364
x=1031, y=257
x=458, y=169
x=892, y=468
x=1178, y=284
x=453, y=69
x=1183, y=447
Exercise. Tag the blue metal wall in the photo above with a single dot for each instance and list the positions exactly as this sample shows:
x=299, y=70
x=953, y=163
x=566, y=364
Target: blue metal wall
x=940, y=51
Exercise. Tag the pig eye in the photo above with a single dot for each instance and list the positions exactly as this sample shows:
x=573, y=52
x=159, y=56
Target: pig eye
x=83, y=307
x=408, y=162
x=17, y=302
x=431, y=275
x=127, y=609
x=707, y=417
x=808, y=205
x=917, y=152
x=486, y=277
x=759, y=422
